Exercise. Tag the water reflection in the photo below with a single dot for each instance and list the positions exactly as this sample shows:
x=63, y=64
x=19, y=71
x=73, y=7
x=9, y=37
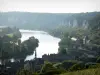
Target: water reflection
x=48, y=44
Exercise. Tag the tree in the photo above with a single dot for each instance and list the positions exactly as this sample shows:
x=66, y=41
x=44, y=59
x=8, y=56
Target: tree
x=94, y=23
x=65, y=43
x=27, y=48
x=11, y=46
x=95, y=33
x=74, y=40
x=8, y=39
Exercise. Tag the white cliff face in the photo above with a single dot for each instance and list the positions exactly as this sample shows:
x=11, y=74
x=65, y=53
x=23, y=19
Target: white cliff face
x=85, y=24
x=69, y=23
x=75, y=23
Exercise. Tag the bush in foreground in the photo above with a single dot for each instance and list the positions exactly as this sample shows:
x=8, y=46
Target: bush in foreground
x=78, y=66
x=85, y=72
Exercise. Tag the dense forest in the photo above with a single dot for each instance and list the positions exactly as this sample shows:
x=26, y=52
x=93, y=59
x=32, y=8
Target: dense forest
x=79, y=48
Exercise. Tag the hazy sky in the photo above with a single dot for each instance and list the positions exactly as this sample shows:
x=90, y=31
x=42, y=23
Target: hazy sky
x=50, y=6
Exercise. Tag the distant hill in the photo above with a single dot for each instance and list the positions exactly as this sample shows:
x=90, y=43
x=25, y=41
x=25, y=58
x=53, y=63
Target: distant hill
x=44, y=21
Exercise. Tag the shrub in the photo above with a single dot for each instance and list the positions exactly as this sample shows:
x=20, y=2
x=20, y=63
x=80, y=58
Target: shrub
x=52, y=72
x=98, y=60
x=49, y=69
x=24, y=72
x=67, y=64
x=94, y=66
x=85, y=72
x=78, y=66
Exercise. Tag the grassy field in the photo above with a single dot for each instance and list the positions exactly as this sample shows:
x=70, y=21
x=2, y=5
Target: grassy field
x=85, y=72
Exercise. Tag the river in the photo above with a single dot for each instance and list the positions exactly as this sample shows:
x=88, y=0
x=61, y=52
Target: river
x=47, y=43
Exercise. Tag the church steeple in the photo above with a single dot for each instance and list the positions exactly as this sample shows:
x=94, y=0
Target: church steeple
x=35, y=54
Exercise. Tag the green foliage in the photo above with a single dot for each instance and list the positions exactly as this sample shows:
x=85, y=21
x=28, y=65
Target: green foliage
x=62, y=50
x=59, y=67
x=67, y=43
x=49, y=69
x=78, y=66
x=8, y=39
x=24, y=72
x=95, y=22
x=95, y=40
x=85, y=72
x=27, y=48
x=98, y=60
x=11, y=46
x=68, y=63
x=95, y=33
x=94, y=66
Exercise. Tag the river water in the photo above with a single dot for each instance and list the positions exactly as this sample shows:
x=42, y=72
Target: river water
x=47, y=43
